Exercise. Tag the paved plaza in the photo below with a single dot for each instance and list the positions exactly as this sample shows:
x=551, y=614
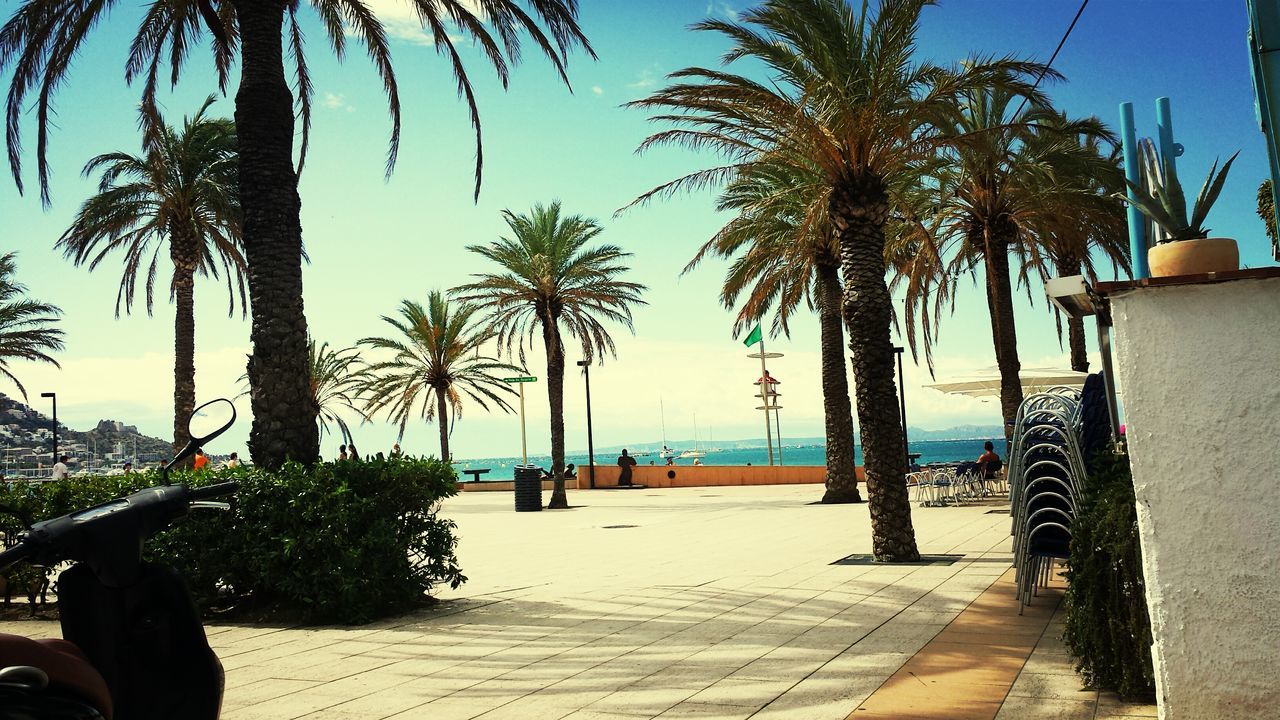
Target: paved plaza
x=678, y=603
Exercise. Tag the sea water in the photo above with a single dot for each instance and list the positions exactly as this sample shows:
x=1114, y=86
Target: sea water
x=501, y=468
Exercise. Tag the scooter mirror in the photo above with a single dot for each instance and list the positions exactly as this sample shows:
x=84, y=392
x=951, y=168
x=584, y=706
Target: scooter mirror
x=211, y=420
x=206, y=423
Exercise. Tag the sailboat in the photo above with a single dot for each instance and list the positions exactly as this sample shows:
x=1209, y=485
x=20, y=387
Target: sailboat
x=666, y=452
x=695, y=452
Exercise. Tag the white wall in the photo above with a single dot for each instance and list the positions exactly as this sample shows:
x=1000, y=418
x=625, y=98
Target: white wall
x=1200, y=370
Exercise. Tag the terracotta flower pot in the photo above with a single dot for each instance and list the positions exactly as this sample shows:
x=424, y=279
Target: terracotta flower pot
x=1193, y=257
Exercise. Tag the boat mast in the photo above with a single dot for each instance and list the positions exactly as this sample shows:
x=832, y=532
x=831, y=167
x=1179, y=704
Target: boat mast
x=663, y=410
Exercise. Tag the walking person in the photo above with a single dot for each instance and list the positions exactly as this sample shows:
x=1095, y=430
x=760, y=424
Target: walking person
x=626, y=462
x=201, y=462
x=342, y=453
x=351, y=451
x=233, y=461
x=60, y=470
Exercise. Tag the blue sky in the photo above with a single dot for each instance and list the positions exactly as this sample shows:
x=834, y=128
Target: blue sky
x=373, y=242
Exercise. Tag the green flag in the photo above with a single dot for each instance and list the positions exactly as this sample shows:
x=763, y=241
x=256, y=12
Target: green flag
x=754, y=337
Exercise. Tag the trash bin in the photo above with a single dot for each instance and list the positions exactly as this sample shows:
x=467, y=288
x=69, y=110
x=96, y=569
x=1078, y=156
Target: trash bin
x=528, y=488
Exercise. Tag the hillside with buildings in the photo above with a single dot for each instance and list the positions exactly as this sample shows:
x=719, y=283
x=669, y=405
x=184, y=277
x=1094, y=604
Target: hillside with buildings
x=26, y=443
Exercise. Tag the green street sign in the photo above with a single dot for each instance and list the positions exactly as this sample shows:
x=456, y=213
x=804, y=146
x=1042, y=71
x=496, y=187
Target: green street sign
x=527, y=378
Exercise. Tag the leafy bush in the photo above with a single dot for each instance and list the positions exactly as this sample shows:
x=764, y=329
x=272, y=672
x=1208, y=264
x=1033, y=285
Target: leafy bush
x=1108, y=629
x=343, y=542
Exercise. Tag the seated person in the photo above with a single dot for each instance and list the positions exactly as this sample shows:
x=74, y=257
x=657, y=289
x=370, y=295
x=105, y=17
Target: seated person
x=570, y=471
x=989, y=462
x=915, y=467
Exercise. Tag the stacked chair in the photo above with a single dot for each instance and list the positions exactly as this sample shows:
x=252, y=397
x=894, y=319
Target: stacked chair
x=1047, y=461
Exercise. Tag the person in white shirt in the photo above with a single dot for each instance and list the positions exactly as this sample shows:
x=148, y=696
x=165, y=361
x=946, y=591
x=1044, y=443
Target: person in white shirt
x=60, y=471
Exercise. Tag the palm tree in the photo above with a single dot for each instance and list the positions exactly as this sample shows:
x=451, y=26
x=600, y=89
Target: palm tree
x=781, y=256
x=844, y=97
x=27, y=329
x=1014, y=176
x=550, y=281
x=336, y=380
x=435, y=362
x=42, y=37
x=1267, y=213
x=180, y=193
x=1090, y=218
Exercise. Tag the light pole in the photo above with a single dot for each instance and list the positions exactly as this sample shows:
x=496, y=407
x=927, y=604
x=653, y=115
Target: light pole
x=591, y=448
x=54, y=398
x=902, y=403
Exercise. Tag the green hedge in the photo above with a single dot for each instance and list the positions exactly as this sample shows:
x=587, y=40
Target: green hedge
x=344, y=542
x=1108, y=629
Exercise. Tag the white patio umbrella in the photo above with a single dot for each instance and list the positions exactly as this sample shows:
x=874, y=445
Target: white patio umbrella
x=986, y=382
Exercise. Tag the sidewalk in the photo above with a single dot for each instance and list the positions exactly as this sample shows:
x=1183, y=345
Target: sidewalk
x=696, y=602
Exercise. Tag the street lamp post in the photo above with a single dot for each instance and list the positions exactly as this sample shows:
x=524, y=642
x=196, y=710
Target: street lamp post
x=902, y=404
x=591, y=449
x=54, y=397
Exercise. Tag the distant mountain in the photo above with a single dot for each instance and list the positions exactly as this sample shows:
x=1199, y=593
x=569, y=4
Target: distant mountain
x=959, y=432
x=26, y=439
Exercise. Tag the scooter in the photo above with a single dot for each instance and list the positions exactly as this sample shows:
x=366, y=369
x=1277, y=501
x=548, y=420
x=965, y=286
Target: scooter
x=133, y=646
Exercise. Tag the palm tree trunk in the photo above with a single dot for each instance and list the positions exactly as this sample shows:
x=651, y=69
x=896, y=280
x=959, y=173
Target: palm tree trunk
x=284, y=413
x=1004, y=335
x=442, y=416
x=555, y=395
x=182, y=253
x=842, y=476
x=858, y=209
x=1067, y=267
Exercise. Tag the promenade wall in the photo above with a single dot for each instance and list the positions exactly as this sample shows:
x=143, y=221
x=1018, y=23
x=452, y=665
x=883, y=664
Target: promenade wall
x=668, y=476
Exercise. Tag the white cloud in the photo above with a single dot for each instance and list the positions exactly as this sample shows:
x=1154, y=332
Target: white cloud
x=647, y=78
x=597, y=89
x=402, y=22
x=336, y=101
x=724, y=9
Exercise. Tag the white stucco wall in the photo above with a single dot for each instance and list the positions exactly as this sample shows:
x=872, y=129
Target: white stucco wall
x=1200, y=370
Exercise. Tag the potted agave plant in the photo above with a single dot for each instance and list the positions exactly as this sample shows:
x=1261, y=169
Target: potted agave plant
x=1186, y=248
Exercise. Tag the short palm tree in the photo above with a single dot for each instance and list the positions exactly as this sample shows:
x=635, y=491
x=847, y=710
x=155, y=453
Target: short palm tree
x=1015, y=176
x=1267, y=213
x=336, y=379
x=41, y=38
x=435, y=361
x=783, y=257
x=844, y=97
x=180, y=195
x=28, y=329
x=550, y=281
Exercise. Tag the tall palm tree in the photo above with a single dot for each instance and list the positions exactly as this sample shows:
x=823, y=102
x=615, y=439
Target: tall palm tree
x=845, y=97
x=1014, y=175
x=180, y=194
x=27, y=327
x=549, y=281
x=781, y=256
x=42, y=37
x=435, y=361
x=1090, y=219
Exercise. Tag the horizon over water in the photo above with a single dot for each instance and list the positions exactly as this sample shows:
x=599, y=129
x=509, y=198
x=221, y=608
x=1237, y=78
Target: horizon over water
x=502, y=468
